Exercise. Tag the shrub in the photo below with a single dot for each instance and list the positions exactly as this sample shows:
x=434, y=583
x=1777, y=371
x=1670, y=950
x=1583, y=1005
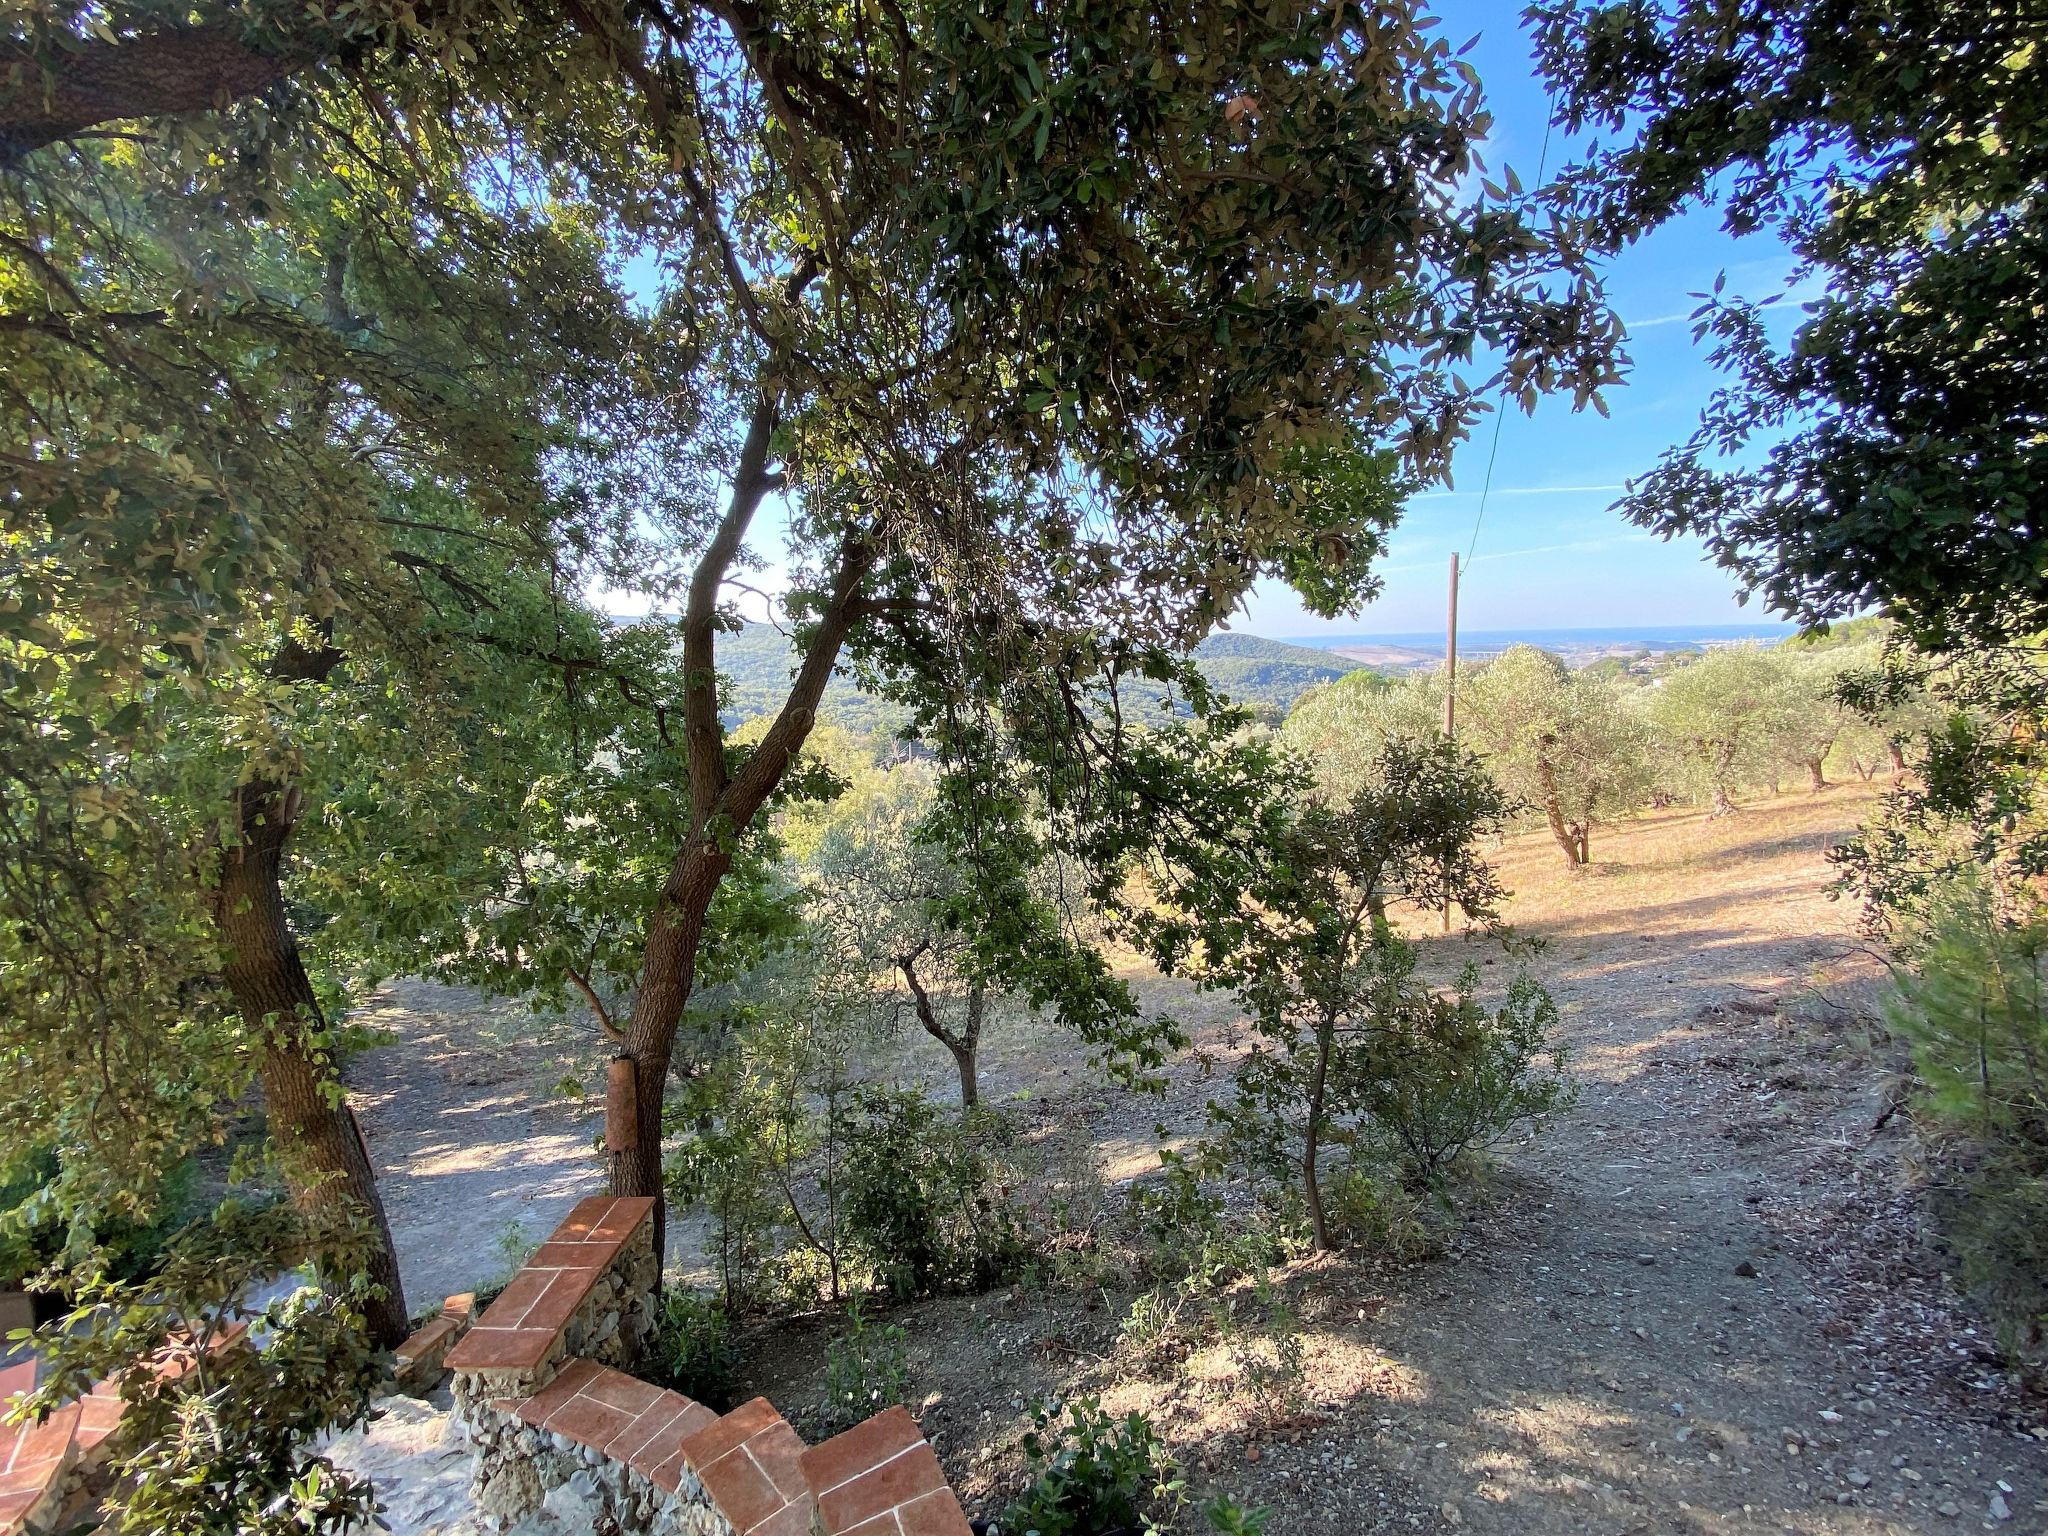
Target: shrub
x=724, y=1169
x=1227, y=1517
x=129, y=1248
x=1976, y=1017
x=1096, y=1474
x=694, y=1352
x=1270, y=1357
x=1188, y=1242
x=234, y=1444
x=1440, y=1075
x=867, y=1369
x=1372, y=1210
x=927, y=1205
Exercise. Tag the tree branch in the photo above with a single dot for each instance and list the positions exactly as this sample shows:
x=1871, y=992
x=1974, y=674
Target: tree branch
x=765, y=765
x=68, y=326
x=51, y=94
x=603, y=1014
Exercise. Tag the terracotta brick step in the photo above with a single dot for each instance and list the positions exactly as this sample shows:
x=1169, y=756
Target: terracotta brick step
x=882, y=1479
x=521, y=1326
x=624, y=1418
x=33, y=1457
x=750, y=1463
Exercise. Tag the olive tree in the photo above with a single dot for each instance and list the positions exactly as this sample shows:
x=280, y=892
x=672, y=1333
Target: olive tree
x=899, y=900
x=1561, y=741
x=1726, y=715
x=1340, y=727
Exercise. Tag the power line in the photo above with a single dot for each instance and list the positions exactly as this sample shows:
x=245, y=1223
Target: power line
x=1500, y=417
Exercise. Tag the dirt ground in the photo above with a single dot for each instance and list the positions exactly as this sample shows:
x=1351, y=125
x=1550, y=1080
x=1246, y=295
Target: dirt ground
x=1701, y=1302
x=477, y=1155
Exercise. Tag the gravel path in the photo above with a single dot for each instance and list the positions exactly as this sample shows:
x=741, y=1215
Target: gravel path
x=474, y=1156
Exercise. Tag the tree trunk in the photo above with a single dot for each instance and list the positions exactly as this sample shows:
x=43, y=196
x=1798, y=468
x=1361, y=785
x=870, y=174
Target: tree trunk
x=1553, y=811
x=723, y=800
x=1818, y=780
x=967, y=1053
x=963, y=1046
x=666, y=977
x=1562, y=834
x=1721, y=768
x=323, y=1152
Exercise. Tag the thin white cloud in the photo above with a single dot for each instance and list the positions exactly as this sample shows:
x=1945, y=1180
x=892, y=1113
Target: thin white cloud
x=1656, y=320
x=1608, y=542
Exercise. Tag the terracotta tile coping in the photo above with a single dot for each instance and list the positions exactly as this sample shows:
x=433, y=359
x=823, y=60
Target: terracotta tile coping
x=749, y=1461
x=521, y=1326
x=616, y=1415
x=752, y=1469
x=881, y=1479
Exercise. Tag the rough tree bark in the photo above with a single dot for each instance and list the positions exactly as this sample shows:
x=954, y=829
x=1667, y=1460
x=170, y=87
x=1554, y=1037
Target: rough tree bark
x=184, y=68
x=1553, y=811
x=323, y=1150
x=1817, y=779
x=724, y=799
x=963, y=1045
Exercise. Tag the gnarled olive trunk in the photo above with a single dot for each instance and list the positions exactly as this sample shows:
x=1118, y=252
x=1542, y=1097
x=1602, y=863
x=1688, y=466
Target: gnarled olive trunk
x=321, y=1146
x=964, y=1044
x=1566, y=836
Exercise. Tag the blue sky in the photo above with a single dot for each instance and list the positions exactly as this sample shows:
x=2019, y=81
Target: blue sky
x=1550, y=555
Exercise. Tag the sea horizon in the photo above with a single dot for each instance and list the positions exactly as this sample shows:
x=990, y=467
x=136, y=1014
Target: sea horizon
x=1653, y=636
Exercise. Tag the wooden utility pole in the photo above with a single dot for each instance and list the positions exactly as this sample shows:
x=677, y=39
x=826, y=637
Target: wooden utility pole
x=1451, y=680
x=1451, y=656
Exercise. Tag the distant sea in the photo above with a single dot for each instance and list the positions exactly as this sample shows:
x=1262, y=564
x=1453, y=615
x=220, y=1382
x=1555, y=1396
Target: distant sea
x=1668, y=637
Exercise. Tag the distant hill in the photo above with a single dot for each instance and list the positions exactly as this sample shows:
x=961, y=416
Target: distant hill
x=1267, y=675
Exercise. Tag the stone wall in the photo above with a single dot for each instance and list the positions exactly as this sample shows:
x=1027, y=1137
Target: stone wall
x=587, y=1292
x=535, y=1468
x=544, y=1396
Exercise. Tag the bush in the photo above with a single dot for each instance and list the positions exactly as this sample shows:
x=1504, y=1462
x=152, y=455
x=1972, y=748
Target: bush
x=927, y=1205
x=1976, y=1017
x=1440, y=1075
x=1227, y=1517
x=694, y=1352
x=1371, y=1210
x=235, y=1447
x=1188, y=1242
x=128, y=1249
x=724, y=1169
x=867, y=1369
x=1097, y=1475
